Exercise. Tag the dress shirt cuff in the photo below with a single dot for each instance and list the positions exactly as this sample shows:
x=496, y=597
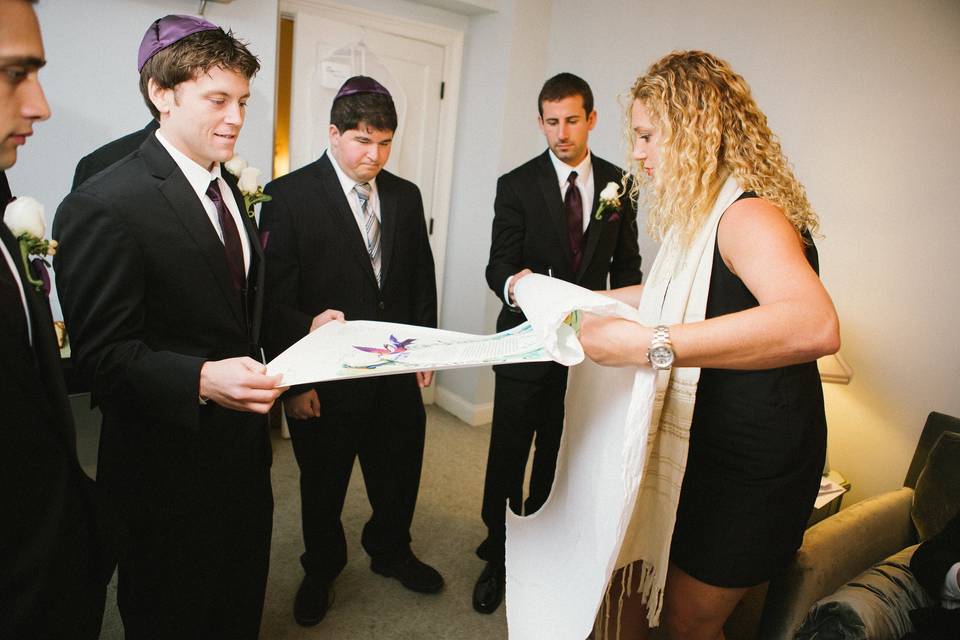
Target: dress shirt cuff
x=951, y=590
x=506, y=293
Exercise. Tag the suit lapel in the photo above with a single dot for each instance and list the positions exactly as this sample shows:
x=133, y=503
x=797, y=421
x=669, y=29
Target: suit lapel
x=12, y=364
x=188, y=209
x=553, y=203
x=255, y=273
x=45, y=350
x=340, y=212
x=595, y=227
x=48, y=359
x=4, y=193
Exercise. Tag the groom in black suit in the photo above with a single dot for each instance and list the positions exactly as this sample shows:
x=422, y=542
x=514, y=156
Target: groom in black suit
x=53, y=570
x=548, y=219
x=161, y=280
x=347, y=235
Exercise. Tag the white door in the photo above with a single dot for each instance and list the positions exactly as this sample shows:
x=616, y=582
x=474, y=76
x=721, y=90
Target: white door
x=329, y=46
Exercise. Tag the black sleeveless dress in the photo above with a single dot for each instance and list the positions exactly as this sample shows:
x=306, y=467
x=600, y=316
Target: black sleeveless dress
x=757, y=448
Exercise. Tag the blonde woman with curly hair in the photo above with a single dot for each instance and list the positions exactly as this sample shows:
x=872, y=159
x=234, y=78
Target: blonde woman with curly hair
x=734, y=317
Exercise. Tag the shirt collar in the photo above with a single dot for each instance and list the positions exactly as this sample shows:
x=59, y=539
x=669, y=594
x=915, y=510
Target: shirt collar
x=584, y=169
x=198, y=177
x=346, y=182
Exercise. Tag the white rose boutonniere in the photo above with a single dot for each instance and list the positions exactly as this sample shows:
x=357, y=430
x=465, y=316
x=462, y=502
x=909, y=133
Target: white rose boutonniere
x=24, y=216
x=235, y=165
x=248, y=182
x=609, y=199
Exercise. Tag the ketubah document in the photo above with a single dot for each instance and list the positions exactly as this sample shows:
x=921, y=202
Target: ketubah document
x=352, y=349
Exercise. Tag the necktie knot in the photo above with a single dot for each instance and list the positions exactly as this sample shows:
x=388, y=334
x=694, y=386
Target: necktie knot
x=213, y=192
x=572, y=179
x=363, y=190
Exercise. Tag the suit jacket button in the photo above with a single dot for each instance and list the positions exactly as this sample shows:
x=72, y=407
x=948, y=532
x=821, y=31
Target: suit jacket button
x=380, y=305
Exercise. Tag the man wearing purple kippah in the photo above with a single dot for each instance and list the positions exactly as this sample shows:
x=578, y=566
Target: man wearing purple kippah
x=160, y=276
x=53, y=565
x=347, y=235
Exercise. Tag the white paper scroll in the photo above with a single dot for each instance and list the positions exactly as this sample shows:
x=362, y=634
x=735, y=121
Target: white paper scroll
x=353, y=349
x=337, y=351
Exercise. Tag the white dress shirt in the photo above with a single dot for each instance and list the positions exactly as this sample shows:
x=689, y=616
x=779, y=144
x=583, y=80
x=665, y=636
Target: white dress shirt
x=373, y=204
x=16, y=278
x=584, y=182
x=200, y=178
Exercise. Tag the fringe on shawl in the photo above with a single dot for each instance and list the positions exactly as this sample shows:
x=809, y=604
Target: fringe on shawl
x=648, y=591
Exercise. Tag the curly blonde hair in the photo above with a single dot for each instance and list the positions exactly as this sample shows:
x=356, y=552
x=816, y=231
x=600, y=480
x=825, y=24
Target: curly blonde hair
x=710, y=128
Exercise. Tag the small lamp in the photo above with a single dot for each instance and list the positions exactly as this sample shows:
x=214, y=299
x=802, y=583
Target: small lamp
x=834, y=369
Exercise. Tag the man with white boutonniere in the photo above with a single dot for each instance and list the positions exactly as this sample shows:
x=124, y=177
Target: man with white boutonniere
x=563, y=214
x=53, y=568
x=160, y=272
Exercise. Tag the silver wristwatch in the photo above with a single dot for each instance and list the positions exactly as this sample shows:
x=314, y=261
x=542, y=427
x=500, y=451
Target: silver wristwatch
x=660, y=353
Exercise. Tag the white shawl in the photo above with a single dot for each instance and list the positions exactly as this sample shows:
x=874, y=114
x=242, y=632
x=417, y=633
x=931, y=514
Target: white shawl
x=675, y=292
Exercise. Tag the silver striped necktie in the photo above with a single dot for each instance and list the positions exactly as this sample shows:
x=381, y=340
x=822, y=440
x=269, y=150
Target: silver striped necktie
x=371, y=224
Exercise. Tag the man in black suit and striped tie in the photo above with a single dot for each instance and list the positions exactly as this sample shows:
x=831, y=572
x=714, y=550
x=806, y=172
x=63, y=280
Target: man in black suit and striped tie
x=347, y=235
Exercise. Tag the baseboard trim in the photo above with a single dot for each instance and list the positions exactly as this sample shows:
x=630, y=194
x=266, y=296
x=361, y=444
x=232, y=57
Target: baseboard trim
x=472, y=413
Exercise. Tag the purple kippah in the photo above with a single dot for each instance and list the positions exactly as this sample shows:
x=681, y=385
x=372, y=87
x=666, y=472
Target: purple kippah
x=361, y=84
x=166, y=31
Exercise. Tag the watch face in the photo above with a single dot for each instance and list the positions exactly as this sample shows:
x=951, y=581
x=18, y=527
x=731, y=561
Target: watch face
x=661, y=357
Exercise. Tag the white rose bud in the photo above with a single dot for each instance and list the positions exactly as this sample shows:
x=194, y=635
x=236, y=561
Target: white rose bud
x=25, y=215
x=610, y=192
x=235, y=165
x=249, y=181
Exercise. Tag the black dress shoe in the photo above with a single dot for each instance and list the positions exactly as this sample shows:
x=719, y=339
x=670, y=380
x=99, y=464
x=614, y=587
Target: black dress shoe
x=488, y=592
x=314, y=598
x=411, y=572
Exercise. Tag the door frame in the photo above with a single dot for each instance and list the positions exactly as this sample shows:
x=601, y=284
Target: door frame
x=451, y=41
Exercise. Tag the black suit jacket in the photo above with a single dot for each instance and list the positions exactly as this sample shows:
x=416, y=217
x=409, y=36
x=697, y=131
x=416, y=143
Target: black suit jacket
x=96, y=161
x=147, y=299
x=930, y=563
x=530, y=231
x=934, y=557
x=317, y=258
x=49, y=514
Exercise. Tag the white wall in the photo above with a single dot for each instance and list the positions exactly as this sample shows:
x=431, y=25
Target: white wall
x=502, y=73
x=91, y=82
x=864, y=96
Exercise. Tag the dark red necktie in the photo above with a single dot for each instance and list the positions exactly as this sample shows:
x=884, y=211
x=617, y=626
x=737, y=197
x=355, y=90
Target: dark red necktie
x=573, y=203
x=231, y=237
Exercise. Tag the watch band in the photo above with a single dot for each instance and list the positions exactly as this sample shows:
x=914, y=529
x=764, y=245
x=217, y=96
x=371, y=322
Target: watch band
x=661, y=335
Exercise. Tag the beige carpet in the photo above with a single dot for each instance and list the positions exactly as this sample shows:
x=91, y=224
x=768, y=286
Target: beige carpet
x=446, y=530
